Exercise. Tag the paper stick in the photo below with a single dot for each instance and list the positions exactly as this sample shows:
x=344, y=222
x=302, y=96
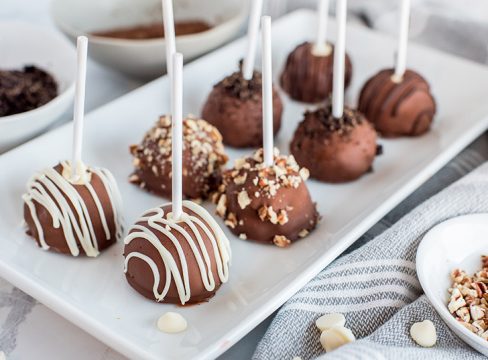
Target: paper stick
x=177, y=135
x=267, y=91
x=252, y=34
x=401, y=58
x=169, y=34
x=339, y=60
x=321, y=47
x=79, y=108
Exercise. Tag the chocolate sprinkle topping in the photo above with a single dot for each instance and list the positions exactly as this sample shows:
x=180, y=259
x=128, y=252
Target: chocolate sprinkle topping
x=237, y=86
x=24, y=90
x=343, y=126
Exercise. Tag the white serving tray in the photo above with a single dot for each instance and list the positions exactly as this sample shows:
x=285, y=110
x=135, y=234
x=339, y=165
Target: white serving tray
x=93, y=293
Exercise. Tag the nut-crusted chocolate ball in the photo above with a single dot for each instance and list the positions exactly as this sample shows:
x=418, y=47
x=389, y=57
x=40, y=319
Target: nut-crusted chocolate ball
x=234, y=106
x=182, y=261
x=308, y=74
x=73, y=217
x=398, y=107
x=335, y=150
x=267, y=204
x=203, y=159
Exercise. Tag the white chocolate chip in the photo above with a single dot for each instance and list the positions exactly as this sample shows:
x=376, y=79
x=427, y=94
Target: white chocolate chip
x=335, y=337
x=423, y=333
x=172, y=322
x=328, y=321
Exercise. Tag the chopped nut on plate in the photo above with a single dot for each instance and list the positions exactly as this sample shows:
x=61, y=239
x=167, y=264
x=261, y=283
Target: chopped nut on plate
x=468, y=301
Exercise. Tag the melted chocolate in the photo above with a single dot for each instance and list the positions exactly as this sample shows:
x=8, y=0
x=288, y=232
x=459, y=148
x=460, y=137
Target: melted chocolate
x=154, y=31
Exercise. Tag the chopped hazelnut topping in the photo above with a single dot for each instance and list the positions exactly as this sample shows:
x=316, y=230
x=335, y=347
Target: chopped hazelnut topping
x=243, y=199
x=281, y=241
x=468, y=302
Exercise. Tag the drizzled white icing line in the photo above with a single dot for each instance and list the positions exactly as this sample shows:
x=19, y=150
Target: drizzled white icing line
x=49, y=189
x=158, y=221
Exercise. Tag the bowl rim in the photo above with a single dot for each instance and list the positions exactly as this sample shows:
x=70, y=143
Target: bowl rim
x=62, y=96
x=238, y=19
x=439, y=306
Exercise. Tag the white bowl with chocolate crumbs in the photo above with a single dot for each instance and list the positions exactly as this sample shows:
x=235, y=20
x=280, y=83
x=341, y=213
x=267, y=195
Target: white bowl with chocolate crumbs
x=452, y=266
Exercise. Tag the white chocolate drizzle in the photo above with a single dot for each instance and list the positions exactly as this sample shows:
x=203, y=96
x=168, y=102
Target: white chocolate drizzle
x=157, y=221
x=54, y=192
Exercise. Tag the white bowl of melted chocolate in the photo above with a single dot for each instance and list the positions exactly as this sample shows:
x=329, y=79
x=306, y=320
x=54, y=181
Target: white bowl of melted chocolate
x=129, y=36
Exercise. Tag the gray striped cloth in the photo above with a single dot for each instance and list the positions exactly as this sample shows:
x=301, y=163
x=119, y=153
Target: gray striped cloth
x=375, y=285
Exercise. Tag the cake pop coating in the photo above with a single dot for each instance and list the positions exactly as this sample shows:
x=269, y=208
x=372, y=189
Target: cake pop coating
x=180, y=262
x=335, y=150
x=267, y=204
x=203, y=158
x=234, y=106
x=398, y=108
x=73, y=218
x=307, y=76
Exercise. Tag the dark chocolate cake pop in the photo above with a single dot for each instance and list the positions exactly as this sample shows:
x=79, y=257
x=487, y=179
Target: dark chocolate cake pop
x=335, y=150
x=73, y=217
x=398, y=108
x=203, y=159
x=178, y=262
x=267, y=204
x=307, y=75
x=234, y=106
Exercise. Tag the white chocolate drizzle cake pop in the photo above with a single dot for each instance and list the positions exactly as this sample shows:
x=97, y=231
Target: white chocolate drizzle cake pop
x=73, y=217
x=74, y=209
x=183, y=261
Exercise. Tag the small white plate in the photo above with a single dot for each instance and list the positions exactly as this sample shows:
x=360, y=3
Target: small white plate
x=455, y=243
x=25, y=44
x=94, y=294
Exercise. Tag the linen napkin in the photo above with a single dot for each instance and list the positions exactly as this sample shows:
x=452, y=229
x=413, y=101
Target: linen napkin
x=376, y=286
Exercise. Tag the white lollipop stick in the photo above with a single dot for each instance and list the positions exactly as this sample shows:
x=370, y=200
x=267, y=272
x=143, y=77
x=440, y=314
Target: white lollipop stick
x=321, y=40
x=252, y=34
x=177, y=135
x=169, y=34
x=267, y=91
x=79, y=108
x=401, y=58
x=339, y=60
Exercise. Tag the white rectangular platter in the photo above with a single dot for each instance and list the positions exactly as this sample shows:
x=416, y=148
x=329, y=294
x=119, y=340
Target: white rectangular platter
x=93, y=293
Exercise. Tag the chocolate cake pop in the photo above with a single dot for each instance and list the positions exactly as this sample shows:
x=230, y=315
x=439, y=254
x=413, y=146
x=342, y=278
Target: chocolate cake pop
x=335, y=150
x=203, y=158
x=308, y=74
x=267, y=204
x=234, y=107
x=73, y=217
x=178, y=262
x=398, y=107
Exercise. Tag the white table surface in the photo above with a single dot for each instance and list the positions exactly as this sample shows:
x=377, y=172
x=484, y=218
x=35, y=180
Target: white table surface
x=32, y=331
